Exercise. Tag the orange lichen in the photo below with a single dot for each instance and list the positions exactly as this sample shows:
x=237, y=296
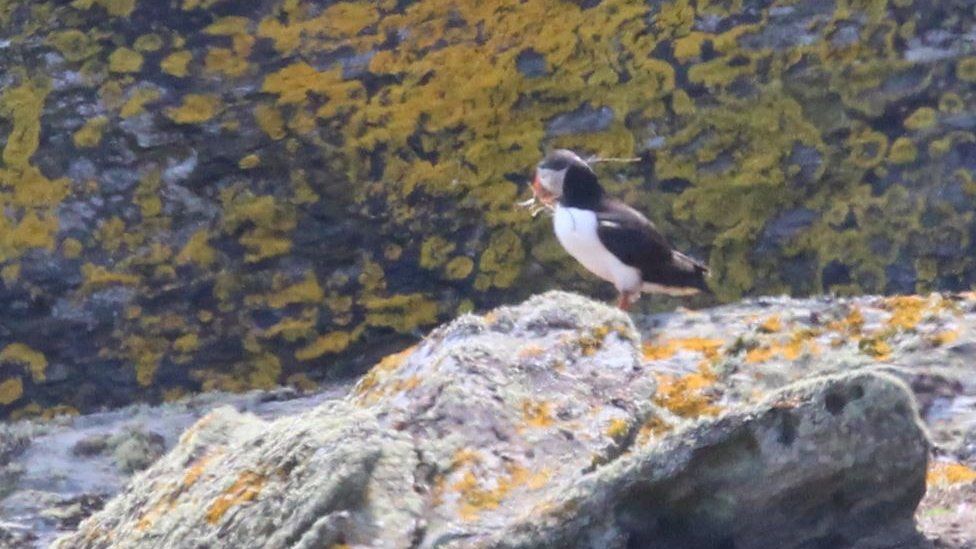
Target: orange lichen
x=475, y=498
x=946, y=474
x=667, y=348
x=381, y=370
x=944, y=338
x=652, y=429
x=686, y=396
x=851, y=324
x=536, y=413
x=906, y=311
x=791, y=349
x=197, y=468
x=876, y=347
x=771, y=325
x=245, y=489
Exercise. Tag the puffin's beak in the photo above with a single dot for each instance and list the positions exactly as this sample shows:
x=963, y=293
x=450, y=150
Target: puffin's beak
x=540, y=192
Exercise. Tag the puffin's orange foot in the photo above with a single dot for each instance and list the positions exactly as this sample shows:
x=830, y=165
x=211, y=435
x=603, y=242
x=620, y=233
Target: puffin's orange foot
x=624, y=302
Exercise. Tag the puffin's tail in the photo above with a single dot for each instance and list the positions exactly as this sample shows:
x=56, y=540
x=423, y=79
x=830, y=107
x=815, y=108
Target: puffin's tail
x=690, y=272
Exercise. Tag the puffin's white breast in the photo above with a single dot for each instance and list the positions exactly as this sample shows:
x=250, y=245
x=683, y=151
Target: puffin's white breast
x=576, y=230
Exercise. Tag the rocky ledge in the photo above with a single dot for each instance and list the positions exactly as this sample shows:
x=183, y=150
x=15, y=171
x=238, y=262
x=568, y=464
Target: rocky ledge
x=556, y=423
x=539, y=425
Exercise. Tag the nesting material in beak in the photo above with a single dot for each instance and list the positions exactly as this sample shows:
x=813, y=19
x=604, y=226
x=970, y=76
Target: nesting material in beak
x=541, y=194
x=541, y=200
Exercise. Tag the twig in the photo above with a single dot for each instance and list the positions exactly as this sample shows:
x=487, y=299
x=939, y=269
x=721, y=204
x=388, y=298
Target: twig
x=595, y=159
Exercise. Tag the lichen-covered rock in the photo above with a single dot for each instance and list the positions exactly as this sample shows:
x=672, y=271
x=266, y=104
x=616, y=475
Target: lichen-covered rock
x=534, y=426
x=206, y=194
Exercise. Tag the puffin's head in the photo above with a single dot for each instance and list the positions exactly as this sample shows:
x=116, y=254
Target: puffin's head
x=550, y=174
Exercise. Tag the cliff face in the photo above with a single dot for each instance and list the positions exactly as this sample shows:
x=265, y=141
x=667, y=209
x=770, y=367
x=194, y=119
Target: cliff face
x=206, y=194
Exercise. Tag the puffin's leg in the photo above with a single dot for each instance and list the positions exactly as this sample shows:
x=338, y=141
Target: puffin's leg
x=624, y=301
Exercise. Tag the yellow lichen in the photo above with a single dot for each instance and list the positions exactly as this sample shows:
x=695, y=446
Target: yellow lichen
x=176, y=63
x=34, y=361
x=246, y=488
x=435, y=251
x=966, y=69
x=403, y=312
x=90, y=135
x=73, y=44
x=270, y=121
x=11, y=390
x=306, y=291
x=269, y=222
x=186, y=343
x=195, y=109
x=197, y=250
x=902, y=151
x=124, y=60
x=249, y=161
x=923, y=118
x=98, y=277
x=115, y=8
x=138, y=100
x=148, y=43
x=226, y=62
x=228, y=26
x=459, y=268
x=333, y=342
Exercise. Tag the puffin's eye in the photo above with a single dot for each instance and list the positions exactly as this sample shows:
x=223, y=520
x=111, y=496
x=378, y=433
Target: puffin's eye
x=556, y=164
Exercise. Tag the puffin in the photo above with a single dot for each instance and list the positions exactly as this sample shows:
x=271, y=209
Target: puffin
x=609, y=238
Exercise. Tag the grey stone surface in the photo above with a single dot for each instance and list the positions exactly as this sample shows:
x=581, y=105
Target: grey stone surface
x=535, y=426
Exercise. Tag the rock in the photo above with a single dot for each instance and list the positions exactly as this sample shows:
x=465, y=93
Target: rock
x=535, y=426
x=185, y=156
x=585, y=119
x=134, y=450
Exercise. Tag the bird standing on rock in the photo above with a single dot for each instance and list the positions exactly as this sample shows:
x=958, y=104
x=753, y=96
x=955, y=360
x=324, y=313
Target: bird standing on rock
x=609, y=238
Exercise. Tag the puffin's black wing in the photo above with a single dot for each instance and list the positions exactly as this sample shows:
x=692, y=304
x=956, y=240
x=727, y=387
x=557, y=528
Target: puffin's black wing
x=636, y=242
